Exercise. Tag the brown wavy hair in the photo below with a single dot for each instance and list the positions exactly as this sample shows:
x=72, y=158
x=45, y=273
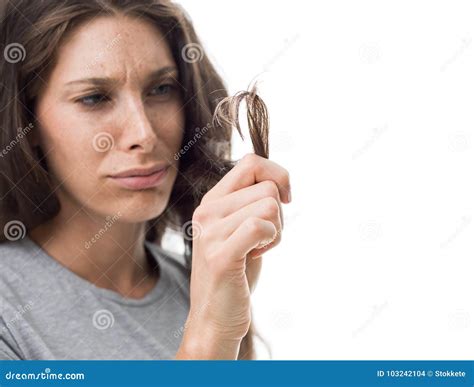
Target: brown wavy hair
x=38, y=27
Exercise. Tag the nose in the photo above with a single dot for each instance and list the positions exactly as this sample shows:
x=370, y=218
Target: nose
x=137, y=132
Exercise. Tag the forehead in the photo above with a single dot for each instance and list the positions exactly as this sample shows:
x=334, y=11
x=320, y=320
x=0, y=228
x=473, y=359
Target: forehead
x=111, y=46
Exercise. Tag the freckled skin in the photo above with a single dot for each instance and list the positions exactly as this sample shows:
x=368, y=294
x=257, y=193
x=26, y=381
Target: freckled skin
x=145, y=129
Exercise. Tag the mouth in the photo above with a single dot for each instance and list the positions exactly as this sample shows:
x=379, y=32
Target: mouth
x=137, y=179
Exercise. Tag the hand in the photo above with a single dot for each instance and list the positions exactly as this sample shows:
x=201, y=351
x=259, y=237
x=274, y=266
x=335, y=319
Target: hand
x=238, y=220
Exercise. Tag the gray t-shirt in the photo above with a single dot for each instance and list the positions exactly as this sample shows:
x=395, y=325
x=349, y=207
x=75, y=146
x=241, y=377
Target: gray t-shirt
x=47, y=312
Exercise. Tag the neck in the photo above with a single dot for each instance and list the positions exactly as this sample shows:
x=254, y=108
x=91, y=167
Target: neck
x=105, y=251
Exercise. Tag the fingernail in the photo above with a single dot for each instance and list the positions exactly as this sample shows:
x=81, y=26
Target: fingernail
x=264, y=243
x=289, y=195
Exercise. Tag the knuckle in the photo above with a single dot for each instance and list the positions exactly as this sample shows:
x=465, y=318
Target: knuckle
x=200, y=214
x=253, y=225
x=270, y=189
x=270, y=208
x=250, y=158
x=250, y=161
x=205, y=198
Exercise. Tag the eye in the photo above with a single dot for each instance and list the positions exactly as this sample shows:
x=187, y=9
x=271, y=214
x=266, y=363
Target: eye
x=162, y=90
x=93, y=99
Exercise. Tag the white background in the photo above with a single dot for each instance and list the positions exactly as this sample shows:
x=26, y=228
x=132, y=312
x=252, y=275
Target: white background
x=371, y=110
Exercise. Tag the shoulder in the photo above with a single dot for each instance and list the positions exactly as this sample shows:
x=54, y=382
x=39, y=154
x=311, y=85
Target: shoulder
x=19, y=268
x=15, y=257
x=16, y=293
x=18, y=255
x=11, y=249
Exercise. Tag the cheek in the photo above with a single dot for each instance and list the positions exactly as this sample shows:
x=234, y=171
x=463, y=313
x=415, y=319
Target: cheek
x=68, y=148
x=76, y=164
x=169, y=124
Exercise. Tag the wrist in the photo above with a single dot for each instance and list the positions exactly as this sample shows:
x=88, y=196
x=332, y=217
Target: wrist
x=203, y=344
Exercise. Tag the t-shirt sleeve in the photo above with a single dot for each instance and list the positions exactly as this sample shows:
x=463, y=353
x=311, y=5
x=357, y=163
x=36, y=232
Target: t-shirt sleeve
x=8, y=348
x=6, y=352
x=7, y=355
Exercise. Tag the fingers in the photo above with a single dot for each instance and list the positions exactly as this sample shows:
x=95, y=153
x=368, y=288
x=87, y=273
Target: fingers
x=266, y=209
x=233, y=202
x=241, y=215
x=249, y=235
x=250, y=170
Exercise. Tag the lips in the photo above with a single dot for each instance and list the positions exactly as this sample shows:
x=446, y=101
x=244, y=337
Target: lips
x=144, y=171
x=143, y=178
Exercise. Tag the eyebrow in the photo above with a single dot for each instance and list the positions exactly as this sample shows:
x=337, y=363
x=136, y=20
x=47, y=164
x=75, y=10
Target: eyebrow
x=107, y=81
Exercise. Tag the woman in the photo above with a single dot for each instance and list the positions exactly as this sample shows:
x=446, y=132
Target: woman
x=101, y=104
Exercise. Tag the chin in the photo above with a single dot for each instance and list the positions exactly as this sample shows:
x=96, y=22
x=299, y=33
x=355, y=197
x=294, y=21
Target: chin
x=142, y=211
x=136, y=208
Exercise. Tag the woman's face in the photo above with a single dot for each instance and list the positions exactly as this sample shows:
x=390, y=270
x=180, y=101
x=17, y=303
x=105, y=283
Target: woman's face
x=112, y=103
